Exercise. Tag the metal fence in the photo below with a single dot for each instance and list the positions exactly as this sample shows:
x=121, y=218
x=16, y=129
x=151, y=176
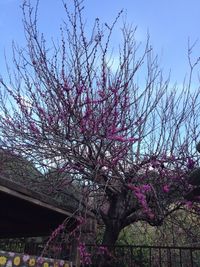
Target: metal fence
x=122, y=256
x=151, y=256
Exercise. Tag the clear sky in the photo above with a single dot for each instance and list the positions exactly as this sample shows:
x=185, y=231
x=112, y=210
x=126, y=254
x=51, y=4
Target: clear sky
x=169, y=22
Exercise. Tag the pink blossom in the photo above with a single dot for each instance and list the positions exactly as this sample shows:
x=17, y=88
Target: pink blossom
x=115, y=160
x=143, y=188
x=189, y=204
x=172, y=157
x=114, y=90
x=84, y=255
x=139, y=192
x=41, y=111
x=80, y=220
x=104, y=250
x=150, y=214
x=50, y=119
x=166, y=188
x=139, y=121
x=131, y=187
x=101, y=94
x=190, y=163
x=57, y=231
x=122, y=139
x=146, y=187
x=9, y=121
x=117, y=138
x=80, y=89
x=113, y=130
x=132, y=139
x=34, y=128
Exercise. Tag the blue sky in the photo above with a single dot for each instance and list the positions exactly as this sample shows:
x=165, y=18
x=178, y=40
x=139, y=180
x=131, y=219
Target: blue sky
x=169, y=22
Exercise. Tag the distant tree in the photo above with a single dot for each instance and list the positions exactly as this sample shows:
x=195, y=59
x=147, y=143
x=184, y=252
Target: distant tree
x=181, y=228
x=126, y=136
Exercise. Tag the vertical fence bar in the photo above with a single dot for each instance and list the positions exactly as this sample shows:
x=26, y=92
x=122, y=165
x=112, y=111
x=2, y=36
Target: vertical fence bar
x=160, y=263
x=131, y=250
x=170, y=258
x=191, y=257
x=180, y=257
x=149, y=257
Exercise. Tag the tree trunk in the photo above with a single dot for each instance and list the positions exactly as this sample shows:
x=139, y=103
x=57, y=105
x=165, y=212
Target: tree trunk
x=110, y=237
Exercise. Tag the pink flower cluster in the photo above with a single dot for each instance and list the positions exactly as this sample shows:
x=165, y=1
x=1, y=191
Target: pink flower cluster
x=84, y=255
x=57, y=231
x=103, y=250
x=122, y=138
x=140, y=193
x=34, y=129
x=190, y=163
x=166, y=188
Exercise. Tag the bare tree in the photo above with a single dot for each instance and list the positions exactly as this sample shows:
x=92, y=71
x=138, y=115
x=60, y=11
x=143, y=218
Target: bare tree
x=126, y=136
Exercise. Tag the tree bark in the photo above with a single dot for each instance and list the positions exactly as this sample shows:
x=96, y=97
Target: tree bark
x=110, y=236
x=109, y=239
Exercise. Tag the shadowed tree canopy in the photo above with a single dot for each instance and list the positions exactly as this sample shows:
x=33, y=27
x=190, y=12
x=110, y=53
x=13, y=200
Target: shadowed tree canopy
x=125, y=136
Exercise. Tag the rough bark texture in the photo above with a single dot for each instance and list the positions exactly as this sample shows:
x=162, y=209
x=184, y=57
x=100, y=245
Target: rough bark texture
x=110, y=236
